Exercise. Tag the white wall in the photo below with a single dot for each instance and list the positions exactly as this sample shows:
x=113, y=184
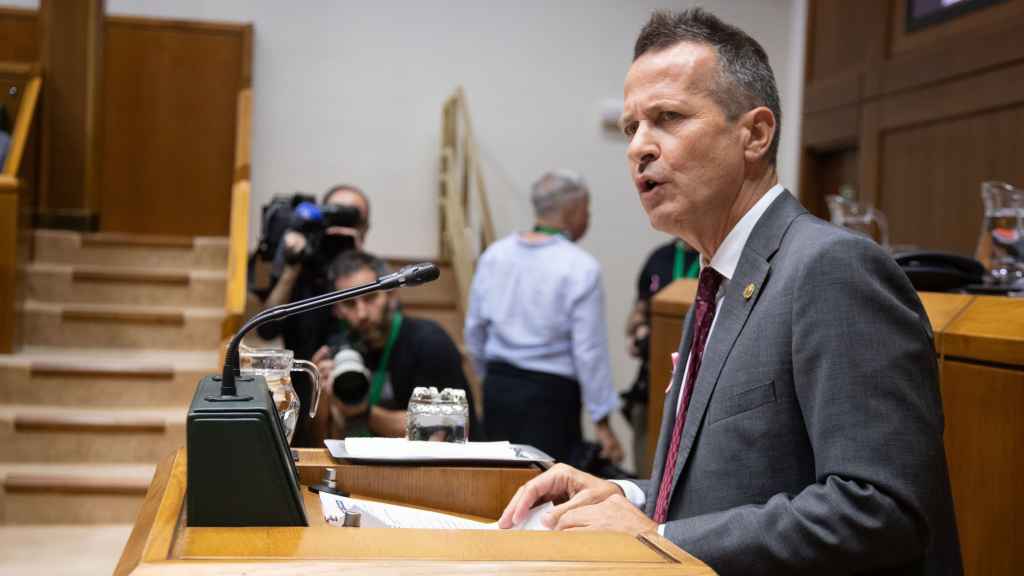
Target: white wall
x=352, y=92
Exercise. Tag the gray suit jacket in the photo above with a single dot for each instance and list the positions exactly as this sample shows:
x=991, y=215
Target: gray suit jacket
x=813, y=441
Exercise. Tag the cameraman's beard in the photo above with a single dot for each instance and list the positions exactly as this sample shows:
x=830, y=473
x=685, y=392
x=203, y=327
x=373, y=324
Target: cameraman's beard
x=375, y=335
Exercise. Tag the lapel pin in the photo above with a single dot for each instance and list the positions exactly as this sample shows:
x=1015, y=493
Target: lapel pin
x=748, y=291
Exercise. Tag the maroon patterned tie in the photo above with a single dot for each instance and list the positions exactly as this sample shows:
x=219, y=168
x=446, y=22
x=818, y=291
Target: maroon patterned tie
x=704, y=314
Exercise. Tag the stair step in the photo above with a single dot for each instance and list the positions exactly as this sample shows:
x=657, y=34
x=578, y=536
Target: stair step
x=125, y=285
x=44, y=493
x=62, y=550
x=70, y=434
x=121, y=326
x=120, y=240
x=83, y=377
x=105, y=249
x=447, y=316
x=439, y=293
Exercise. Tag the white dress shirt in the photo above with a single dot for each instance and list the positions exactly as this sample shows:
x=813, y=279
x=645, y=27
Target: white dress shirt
x=724, y=262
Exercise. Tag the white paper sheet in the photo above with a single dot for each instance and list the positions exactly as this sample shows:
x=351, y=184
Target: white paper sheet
x=382, y=515
x=402, y=449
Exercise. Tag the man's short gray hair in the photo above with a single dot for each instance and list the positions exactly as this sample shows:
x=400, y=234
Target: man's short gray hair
x=555, y=189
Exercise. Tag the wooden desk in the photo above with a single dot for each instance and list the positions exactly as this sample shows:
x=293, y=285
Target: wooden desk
x=161, y=544
x=980, y=345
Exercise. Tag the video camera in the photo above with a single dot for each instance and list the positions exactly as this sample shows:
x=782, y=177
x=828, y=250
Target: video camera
x=283, y=213
x=313, y=221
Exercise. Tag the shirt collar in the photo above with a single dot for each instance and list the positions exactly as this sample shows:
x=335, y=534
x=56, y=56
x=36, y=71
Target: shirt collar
x=728, y=255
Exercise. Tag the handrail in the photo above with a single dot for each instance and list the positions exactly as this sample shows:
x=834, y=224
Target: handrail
x=23, y=125
x=465, y=215
x=238, y=235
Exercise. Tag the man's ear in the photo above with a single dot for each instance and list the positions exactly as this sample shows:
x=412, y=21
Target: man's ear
x=759, y=127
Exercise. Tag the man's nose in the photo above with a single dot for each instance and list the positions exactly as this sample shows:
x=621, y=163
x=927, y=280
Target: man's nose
x=642, y=148
x=361, y=310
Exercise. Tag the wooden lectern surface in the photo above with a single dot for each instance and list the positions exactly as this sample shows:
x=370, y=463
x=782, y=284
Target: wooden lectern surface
x=979, y=341
x=161, y=543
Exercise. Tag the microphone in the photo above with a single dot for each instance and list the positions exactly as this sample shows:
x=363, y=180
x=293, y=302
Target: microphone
x=411, y=275
x=241, y=471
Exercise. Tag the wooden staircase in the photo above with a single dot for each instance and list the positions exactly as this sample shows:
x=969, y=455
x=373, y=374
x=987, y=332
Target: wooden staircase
x=117, y=331
x=437, y=300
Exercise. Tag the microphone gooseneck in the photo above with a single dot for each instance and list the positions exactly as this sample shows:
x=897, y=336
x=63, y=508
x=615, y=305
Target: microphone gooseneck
x=412, y=275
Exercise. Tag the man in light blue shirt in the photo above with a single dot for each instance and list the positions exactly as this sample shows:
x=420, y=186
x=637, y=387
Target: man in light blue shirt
x=536, y=330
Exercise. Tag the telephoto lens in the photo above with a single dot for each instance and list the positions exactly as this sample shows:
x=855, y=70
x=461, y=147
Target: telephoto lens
x=350, y=380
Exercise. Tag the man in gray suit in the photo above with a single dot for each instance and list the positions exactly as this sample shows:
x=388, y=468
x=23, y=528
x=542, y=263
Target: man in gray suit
x=803, y=428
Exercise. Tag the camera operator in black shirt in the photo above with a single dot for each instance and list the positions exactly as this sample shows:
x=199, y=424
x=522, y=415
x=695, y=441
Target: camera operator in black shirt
x=376, y=356
x=315, y=236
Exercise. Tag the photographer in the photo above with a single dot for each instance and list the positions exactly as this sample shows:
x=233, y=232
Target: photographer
x=315, y=236
x=376, y=355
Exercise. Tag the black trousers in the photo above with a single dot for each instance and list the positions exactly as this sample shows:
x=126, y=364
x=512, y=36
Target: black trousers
x=535, y=408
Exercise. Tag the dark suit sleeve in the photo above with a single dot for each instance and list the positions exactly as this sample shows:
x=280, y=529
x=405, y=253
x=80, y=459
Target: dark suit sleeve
x=864, y=375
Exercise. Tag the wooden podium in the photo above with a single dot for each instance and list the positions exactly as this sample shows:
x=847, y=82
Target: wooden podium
x=162, y=544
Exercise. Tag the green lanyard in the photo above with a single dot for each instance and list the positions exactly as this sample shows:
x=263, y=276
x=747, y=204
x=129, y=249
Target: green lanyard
x=549, y=230
x=382, y=369
x=677, y=269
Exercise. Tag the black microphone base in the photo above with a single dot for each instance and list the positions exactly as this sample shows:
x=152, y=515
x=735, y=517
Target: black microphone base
x=240, y=468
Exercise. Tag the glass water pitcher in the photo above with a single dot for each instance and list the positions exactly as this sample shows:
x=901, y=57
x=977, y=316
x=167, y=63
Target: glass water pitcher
x=276, y=366
x=1001, y=242
x=846, y=212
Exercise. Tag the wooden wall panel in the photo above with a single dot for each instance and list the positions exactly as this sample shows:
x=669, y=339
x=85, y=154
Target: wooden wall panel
x=18, y=30
x=840, y=35
x=947, y=161
x=824, y=173
x=71, y=49
x=927, y=115
x=171, y=90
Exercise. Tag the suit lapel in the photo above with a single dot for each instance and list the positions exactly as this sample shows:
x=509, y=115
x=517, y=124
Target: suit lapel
x=753, y=268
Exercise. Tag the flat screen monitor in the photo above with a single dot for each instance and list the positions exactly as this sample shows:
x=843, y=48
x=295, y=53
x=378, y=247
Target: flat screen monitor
x=921, y=13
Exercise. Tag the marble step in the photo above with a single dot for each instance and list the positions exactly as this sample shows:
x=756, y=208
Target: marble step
x=447, y=316
x=62, y=550
x=94, y=434
x=121, y=326
x=110, y=249
x=439, y=293
x=103, y=377
x=72, y=493
x=82, y=283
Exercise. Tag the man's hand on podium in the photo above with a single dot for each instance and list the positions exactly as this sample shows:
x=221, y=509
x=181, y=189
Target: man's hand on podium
x=615, y=514
x=587, y=502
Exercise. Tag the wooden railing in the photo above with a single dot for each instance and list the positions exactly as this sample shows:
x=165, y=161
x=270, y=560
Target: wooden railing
x=16, y=201
x=465, y=215
x=238, y=235
x=26, y=113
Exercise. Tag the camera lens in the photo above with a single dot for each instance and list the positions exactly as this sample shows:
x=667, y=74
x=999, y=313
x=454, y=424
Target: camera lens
x=350, y=378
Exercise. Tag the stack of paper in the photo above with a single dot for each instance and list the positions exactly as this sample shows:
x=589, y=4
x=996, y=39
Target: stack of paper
x=381, y=515
x=400, y=449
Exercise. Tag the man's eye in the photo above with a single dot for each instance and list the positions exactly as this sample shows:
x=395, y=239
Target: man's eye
x=629, y=129
x=669, y=116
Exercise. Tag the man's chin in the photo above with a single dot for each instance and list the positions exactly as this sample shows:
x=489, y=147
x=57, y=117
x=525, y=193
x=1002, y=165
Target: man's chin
x=661, y=220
